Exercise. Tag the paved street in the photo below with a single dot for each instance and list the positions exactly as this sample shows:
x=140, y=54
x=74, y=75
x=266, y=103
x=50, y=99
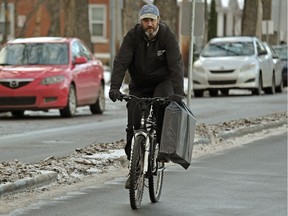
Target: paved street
x=250, y=180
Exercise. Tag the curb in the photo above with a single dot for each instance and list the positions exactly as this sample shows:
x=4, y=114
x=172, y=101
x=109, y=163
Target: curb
x=239, y=132
x=27, y=183
x=252, y=129
x=47, y=177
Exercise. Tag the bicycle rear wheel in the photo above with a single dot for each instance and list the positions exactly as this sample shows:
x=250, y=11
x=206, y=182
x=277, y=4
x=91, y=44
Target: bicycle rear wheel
x=155, y=182
x=136, y=172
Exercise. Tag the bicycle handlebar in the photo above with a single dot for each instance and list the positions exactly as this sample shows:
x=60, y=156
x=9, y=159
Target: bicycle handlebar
x=153, y=99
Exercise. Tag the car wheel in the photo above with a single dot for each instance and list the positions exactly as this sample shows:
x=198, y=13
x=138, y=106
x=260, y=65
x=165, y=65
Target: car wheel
x=224, y=92
x=279, y=88
x=213, y=92
x=198, y=93
x=99, y=106
x=18, y=113
x=71, y=106
x=258, y=90
x=271, y=89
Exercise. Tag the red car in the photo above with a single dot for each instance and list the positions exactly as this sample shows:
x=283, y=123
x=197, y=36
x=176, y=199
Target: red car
x=43, y=73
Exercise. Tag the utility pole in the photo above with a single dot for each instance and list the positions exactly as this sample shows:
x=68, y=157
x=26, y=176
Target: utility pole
x=112, y=32
x=191, y=53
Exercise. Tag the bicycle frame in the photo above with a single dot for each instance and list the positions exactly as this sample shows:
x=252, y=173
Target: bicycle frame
x=145, y=131
x=144, y=152
x=147, y=148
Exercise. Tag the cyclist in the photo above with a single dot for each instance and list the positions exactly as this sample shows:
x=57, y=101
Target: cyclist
x=151, y=54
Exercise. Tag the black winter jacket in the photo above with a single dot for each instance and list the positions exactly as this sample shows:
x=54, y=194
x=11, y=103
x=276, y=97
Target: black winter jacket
x=149, y=62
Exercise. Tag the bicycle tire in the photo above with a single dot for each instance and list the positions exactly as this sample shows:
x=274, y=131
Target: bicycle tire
x=155, y=180
x=137, y=177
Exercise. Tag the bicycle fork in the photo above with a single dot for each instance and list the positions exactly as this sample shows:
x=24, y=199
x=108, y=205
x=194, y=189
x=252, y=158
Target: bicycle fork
x=146, y=146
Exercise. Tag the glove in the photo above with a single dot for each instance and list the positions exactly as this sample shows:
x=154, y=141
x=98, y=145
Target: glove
x=114, y=94
x=176, y=97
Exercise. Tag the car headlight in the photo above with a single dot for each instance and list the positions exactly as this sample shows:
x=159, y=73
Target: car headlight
x=198, y=68
x=247, y=67
x=52, y=80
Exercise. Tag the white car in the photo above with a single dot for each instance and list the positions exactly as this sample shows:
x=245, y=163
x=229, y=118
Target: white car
x=277, y=69
x=226, y=63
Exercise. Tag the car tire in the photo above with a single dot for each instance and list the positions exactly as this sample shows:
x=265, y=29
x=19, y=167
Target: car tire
x=198, y=93
x=70, y=109
x=224, y=92
x=213, y=92
x=18, y=113
x=258, y=90
x=280, y=87
x=271, y=89
x=99, y=106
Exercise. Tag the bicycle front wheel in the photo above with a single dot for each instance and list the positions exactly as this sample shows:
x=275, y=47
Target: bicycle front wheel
x=136, y=172
x=156, y=182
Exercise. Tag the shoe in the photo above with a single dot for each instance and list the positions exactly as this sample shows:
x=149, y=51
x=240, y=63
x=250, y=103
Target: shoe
x=127, y=183
x=163, y=158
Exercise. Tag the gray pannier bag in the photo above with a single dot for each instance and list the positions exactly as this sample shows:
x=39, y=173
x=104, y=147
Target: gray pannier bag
x=177, y=136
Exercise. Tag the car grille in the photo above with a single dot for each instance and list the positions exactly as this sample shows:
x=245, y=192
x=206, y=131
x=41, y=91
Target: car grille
x=221, y=82
x=15, y=83
x=221, y=71
x=17, y=101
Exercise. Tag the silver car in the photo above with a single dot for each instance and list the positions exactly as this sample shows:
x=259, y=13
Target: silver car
x=277, y=69
x=233, y=63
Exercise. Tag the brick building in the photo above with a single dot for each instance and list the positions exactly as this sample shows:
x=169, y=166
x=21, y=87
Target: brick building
x=30, y=18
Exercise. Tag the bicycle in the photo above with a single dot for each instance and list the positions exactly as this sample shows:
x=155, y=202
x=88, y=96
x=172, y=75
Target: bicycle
x=144, y=152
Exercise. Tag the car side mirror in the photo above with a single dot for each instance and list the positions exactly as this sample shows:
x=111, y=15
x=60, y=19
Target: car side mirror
x=80, y=60
x=262, y=52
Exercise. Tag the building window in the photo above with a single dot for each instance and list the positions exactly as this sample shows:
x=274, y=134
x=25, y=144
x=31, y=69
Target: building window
x=97, y=22
x=10, y=21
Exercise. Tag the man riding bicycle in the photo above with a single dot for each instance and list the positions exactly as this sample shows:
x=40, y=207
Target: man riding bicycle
x=150, y=52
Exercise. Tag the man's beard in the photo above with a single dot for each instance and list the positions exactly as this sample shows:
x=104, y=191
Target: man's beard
x=150, y=34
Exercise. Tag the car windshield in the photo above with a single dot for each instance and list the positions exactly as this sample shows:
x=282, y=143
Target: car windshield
x=34, y=54
x=228, y=49
x=282, y=52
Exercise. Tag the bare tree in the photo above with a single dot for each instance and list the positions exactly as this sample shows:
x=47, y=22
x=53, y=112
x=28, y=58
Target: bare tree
x=130, y=14
x=54, y=10
x=69, y=8
x=212, y=21
x=169, y=13
x=130, y=17
x=252, y=18
x=267, y=5
x=6, y=23
x=76, y=23
x=206, y=22
x=35, y=8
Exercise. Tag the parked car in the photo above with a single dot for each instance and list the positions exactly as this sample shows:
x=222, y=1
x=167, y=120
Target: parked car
x=226, y=63
x=281, y=50
x=277, y=69
x=43, y=73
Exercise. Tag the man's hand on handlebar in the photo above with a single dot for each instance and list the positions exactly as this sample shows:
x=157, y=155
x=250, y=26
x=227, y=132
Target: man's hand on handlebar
x=115, y=94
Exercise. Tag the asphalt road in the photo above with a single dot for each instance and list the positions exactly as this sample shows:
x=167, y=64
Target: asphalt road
x=250, y=180
x=40, y=135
